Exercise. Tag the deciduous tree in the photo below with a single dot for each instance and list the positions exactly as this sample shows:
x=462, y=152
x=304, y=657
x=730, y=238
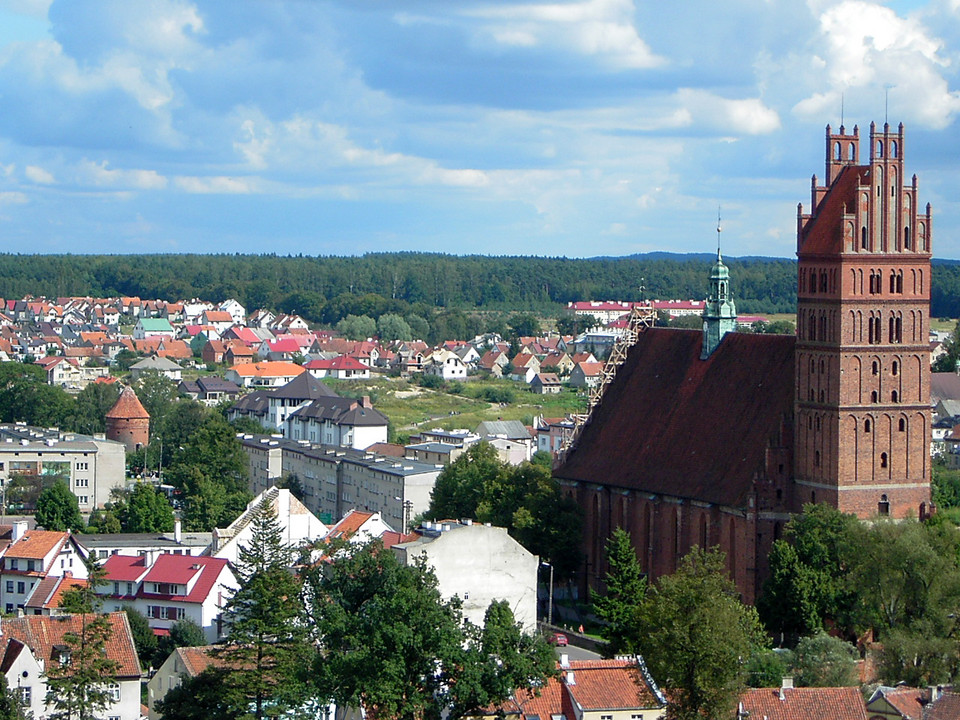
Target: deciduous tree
x=695, y=635
x=59, y=509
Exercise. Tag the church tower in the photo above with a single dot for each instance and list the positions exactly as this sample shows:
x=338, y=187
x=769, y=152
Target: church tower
x=862, y=405
x=719, y=312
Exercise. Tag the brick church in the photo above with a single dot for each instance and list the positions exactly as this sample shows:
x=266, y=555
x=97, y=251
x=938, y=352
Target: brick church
x=717, y=437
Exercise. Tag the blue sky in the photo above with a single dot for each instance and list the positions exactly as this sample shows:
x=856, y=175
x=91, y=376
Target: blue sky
x=506, y=127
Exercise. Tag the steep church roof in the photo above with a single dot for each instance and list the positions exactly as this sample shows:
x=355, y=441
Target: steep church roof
x=127, y=407
x=823, y=234
x=673, y=424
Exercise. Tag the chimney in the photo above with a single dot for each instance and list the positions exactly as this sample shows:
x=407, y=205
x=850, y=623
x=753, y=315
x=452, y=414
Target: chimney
x=570, y=678
x=785, y=684
x=564, y=660
x=19, y=529
x=365, y=401
x=177, y=531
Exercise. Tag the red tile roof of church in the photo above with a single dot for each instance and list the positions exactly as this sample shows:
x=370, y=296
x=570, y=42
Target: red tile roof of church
x=824, y=232
x=674, y=424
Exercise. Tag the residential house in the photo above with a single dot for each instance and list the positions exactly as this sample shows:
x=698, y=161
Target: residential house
x=158, y=365
x=237, y=312
x=285, y=348
x=152, y=327
x=494, y=361
x=213, y=351
x=586, y=375
x=239, y=354
x=899, y=703
x=445, y=364
x=790, y=703
x=263, y=374
x=552, y=433
x=291, y=397
x=343, y=367
x=261, y=318
x=30, y=645
x=171, y=588
x=514, y=432
x=480, y=564
x=48, y=593
x=468, y=354
x=545, y=384
x=946, y=706
x=618, y=689
x=434, y=452
x=337, y=421
x=557, y=362
x=150, y=545
x=358, y=527
x=209, y=390
x=297, y=524
x=525, y=368
x=68, y=373
x=32, y=556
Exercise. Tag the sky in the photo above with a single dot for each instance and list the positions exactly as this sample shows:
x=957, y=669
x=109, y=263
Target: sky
x=570, y=128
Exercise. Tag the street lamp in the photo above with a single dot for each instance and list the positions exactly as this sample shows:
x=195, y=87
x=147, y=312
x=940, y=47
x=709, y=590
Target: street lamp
x=544, y=563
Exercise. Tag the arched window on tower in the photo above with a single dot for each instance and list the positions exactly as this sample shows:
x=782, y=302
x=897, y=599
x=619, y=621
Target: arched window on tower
x=816, y=458
x=894, y=396
x=879, y=148
x=866, y=425
x=906, y=237
x=893, y=148
x=876, y=367
x=902, y=425
x=883, y=507
x=895, y=368
x=837, y=151
x=893, y=282
x=883, y=460
x=873, y=396
x=863, y=237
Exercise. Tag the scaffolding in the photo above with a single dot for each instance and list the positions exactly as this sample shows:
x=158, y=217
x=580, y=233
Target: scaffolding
x=642, y=316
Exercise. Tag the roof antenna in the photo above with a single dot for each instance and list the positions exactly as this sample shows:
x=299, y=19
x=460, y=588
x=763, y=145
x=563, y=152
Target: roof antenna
x=886, y=103
x=841, y=110
x=718, y=232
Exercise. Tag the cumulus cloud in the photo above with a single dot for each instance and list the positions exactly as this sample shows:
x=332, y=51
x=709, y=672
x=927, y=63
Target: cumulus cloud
x=863, y=48
x=599, y=28
x=748, y=116
x=215, y=185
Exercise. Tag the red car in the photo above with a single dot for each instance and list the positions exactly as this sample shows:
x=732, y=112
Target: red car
x=558, y=639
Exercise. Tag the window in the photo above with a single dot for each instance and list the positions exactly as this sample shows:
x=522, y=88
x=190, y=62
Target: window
x=114, y=690
x=9, y=586
x=896, y=367
x=9, y=608
x=103, y=554
x=129, y=588
x=883, y=460
x=902, y=425
x=21, y=588
x=116, y=588
x=13, y=563
x=866, y=425
x=26, y=695
x=883, y=507
x=894, y=396
x=876, y=368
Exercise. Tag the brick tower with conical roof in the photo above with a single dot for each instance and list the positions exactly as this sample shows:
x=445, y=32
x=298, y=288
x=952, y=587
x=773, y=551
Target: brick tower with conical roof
x=128, y=421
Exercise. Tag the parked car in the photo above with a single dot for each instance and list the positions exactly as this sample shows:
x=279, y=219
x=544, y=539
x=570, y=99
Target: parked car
x=558, y=639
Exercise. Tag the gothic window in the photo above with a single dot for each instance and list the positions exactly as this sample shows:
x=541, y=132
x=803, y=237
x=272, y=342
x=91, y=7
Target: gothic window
x=863, y=237
x=893, y=282
x=850, y=152
x=883, y=507
x=818, y=423
x=883, y=460
x=821, y=367
x=902, y=425
x=893, y=148
x=866, y=425
x=810, y=420
x=879, y=148
x=812, y=366
x=813, y=282
x=876, y=368
x=816, y=459
x=906, y=237
x=837, y=151
x=873, y=396
x=822, y=396
x=894, y=396
x=811, y=394
x=896, y=367
x=823, y=281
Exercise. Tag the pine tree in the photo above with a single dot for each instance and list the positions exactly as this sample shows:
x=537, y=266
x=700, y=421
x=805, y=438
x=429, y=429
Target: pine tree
x=626, y=588
x=266, y=639
x=78, y=684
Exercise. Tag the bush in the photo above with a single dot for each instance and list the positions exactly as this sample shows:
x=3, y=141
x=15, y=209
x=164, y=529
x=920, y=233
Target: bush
x=432, y=382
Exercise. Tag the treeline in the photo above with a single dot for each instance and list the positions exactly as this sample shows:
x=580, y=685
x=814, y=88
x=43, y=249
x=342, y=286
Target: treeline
x=324, y=289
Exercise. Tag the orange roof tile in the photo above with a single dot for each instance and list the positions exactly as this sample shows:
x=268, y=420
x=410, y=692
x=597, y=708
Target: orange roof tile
x=127, y=406
x=36, y=544
x=845, y=703
x=42, y=633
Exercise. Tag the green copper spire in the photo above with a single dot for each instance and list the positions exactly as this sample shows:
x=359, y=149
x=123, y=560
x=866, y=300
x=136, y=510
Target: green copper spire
x=719, y=314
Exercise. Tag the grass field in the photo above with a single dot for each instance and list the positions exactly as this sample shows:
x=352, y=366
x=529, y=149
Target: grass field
x=410, y=407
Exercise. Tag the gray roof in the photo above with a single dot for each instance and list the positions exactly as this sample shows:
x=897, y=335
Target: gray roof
x=159, y=540
x=255, y=403
x=303, y=387
x=510, y=429
x=340, y=411
x=155, y=362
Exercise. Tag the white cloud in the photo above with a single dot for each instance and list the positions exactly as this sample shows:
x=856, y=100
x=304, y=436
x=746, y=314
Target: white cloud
x=864, y=47
x=12, y=198
x=749, y=116
x=215, y=185
x=100, y=174
x=33, y=8
x=38, y=175
x=599, y=28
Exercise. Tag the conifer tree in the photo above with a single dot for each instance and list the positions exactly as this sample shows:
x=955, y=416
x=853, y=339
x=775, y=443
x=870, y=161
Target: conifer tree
x=78, y=681
x=266, y=637
x=626, y=588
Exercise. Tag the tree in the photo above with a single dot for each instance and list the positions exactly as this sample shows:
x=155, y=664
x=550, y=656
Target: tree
x=825, y=661
x=58, y=509
x=357, y=327
x=92, y=404
x=207, y=696
x=78, y=684
x=103, y=521
x=183, y=633
x=393, y=327
x=419, y=327
x=146, y=510
x=626, y=588
x=695, y=635
x=11, y=706
x=460, y=486
x=157, y=394
x=143, y=636
x=266, y=646
x=767, y=668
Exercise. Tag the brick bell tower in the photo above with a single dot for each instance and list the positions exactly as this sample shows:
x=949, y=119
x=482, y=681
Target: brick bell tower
x=862, y=406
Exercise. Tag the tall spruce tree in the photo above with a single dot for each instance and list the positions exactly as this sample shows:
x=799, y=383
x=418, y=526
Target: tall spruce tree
x=266, y=646
x=626, y=588
x=78, y=681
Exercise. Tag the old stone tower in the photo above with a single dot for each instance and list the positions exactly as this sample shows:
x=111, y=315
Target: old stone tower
x=128, y=421
x=863, y=355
